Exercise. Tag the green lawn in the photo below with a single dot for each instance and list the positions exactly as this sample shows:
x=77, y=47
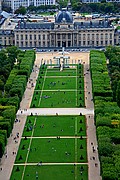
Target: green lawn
x=55, y=126
x=56, y=83
x=57, y=72
x=56, y=89
x=52, y=150
x=40, y=142
x=51, y=172
x=54, y=99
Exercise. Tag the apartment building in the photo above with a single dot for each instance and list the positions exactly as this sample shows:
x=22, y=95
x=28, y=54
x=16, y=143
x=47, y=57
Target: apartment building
x=15, y=4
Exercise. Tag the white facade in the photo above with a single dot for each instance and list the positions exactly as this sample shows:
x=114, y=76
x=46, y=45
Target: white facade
x=91, y=1
x=15, y=4
x=112, y=0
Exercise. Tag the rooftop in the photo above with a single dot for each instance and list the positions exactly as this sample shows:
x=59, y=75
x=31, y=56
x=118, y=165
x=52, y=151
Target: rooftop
x=64, y=16
x=28, y=25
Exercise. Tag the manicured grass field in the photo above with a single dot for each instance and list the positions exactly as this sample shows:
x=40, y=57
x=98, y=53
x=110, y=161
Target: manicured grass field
x=55, y=126
x=57, y=72
x=49, y=150
x=37, y=147
x=59, y=142
x=55, y=88
x=51, y=172
x=56, y=83
x=54, y=99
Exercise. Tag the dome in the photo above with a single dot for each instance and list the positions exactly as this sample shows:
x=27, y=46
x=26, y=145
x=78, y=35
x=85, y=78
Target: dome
x=64, y=16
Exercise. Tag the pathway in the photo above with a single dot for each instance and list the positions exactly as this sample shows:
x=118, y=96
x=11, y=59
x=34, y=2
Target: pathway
x=7, y=162
x=93, y=160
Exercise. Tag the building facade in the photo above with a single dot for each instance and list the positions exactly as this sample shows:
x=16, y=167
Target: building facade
x=64, y=32
x=117, y=1
x=15, y=4
x=91, y=1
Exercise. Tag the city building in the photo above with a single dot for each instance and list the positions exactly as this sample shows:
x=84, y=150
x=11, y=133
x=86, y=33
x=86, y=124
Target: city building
x=112, y=0
x=15, y=4
x=63, y=32
x=91, y=1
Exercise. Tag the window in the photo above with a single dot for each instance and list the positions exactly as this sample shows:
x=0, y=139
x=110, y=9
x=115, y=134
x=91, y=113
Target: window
x=83, y=43
x=75, y=43
x=69, y=36
x=43, y=36
x=17, y=43
x=21, y=36
x=101, y=36
x=30, y=36
x=17, y=37
x=30, y=44
x=58, y=36
x=79, y=36
x=110, y=42
x=83, y=36
x=26, y=37
x=79, y=43
x=21, y=44
x=63, y=36
x=106, y=42
x=97, y=36
x=106, y=36
x=34, y=36
x=75, y=36
x=52, y=43
x=48, y=37
x=43, y=44
x=110, y=35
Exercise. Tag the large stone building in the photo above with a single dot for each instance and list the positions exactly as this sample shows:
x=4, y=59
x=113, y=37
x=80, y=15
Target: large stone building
x=15, y=4
x=63, y=32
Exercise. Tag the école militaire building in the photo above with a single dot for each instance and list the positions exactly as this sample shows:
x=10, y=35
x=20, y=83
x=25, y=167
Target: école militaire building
x=63, y=32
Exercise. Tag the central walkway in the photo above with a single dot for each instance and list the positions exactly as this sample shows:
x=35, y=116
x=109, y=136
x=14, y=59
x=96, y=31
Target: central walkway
x=7, y=162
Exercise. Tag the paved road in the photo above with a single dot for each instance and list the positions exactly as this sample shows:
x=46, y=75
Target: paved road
x=8, y=159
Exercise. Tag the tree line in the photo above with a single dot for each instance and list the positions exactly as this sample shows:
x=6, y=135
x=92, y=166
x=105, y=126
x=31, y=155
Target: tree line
x=107, y=117
x=13, y=89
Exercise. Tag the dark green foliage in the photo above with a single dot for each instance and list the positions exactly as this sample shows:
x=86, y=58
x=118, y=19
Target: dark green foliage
x=21, y=10
x=14, y=87
x=118, y=93
x=9, y=114
x=4, y=132
x=106, y=112
x=100, y=78
x=6, y=126
x=2, y=144
x=113, y=54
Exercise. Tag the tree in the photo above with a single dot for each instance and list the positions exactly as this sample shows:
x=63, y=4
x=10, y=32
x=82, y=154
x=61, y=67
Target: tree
x=118, y=94
x=21, y=10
